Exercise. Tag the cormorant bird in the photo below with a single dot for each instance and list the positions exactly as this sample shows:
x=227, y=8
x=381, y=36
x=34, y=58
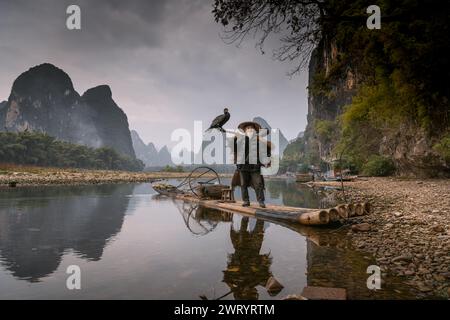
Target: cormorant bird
x=219, y=121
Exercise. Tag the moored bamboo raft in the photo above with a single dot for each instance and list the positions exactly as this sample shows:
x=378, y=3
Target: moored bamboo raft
x=304, y=216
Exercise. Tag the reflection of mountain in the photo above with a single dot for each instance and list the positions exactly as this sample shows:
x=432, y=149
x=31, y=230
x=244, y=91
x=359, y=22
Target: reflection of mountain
x=38, y=226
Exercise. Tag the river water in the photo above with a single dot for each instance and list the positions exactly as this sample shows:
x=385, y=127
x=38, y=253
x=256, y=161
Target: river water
x=130, y=243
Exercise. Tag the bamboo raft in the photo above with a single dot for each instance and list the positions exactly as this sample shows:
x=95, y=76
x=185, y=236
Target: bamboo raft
x=304, y=216
x=212, y=196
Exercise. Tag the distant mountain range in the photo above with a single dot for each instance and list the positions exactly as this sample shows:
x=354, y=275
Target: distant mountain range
x=43, y=99
x=149, y=154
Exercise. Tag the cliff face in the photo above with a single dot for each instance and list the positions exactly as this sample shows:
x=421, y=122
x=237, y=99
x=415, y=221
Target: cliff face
x=44, y=99
x=326, y=101
x=2, y=112
x=110, y=121
x=410, y=147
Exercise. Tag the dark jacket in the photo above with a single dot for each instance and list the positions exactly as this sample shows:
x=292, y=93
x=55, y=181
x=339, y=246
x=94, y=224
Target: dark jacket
x=247, y=166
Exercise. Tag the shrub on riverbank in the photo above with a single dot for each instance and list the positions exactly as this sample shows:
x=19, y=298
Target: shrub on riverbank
x=378, y=166
x=173, y=169
x=40, y=149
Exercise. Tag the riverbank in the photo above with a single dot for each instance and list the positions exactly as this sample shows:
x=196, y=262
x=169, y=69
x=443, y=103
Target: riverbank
x=409, y=232
x=21, y=176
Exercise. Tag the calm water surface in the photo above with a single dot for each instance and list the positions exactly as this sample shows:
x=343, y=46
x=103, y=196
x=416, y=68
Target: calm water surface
x=132, y=244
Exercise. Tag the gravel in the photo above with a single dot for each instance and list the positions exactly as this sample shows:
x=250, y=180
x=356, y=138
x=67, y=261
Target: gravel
x=409, y=229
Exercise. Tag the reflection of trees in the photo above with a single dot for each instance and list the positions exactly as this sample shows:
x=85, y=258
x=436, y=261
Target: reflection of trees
x=247, y=268
x=293, y=194
x=275, y=188
x=39, y=225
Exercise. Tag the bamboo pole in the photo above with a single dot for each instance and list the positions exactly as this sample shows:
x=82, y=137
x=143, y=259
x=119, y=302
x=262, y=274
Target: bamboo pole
x=359, y=209
x=367, y=207
x=334, y=214
x=343, y=212
x=350, y=209
x=315, y=218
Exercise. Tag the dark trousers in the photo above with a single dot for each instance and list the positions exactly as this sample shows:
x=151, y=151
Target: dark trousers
x=252, y=179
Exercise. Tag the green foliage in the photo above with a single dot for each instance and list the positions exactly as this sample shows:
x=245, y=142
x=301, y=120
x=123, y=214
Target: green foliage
x=293, y=155
x=374, y=111
x=173, y=169
x=320, y=85
x=303, y=168
x=379, y=166
x=39, y=149
x=443, y=148
x=294, y=150
x=325, y=130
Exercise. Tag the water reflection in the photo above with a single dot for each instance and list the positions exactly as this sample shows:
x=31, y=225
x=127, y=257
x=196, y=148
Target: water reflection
x=200, y=220
x=290, y=193
x=247, y=267
x=156, y=255
x=38, y=226
x=331, y=261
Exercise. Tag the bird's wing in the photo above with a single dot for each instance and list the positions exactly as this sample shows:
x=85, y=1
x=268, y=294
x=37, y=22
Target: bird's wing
x=217, y=121
x=225, y=119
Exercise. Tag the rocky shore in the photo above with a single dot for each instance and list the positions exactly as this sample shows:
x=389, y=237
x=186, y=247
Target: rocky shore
x=29, y=176
x=408, y=232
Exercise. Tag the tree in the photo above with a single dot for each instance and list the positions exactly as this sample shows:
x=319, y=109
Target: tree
x=40, y=149
x=297, y=22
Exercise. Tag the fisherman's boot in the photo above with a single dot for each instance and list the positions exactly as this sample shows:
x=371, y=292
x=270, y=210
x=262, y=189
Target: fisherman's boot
x=260, y=195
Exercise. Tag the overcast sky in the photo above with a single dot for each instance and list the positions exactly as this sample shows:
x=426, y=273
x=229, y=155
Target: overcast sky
x=164, y=60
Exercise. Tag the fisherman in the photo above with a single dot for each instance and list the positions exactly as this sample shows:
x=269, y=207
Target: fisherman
x=247, y=146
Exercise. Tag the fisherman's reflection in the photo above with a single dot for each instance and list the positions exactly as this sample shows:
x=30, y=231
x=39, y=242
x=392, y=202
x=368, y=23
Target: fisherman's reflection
x=247, y=267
